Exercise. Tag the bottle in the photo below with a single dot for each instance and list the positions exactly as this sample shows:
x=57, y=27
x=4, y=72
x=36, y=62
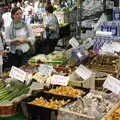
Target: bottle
x=113, y=29
x=118, y=29
x=116, y=14
x=104, y=27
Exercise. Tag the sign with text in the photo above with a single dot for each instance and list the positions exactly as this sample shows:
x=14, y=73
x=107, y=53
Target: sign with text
x=17, y=73
x=112, y=84
x=79, y=55
x=83, y=72
x=73, y=42
x=60, y=80
x=45, y=69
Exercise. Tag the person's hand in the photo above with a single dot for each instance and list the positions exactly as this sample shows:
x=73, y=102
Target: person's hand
x=52, y=28
x=16, y=41
x=3, y=52
x=41, y=25
x=22, y=40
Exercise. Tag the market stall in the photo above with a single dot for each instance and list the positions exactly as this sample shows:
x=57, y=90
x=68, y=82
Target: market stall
x=79, y=81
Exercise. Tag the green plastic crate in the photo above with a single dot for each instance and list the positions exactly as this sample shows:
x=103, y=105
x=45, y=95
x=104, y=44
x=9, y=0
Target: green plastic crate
x=14, y=117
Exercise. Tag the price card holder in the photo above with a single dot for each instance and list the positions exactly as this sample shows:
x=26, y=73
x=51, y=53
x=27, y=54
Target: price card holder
x=112, y=84
x=18, y=74
x=59, y=80
x=45, y=69
x=83, y=72
x=73, y=42
x=79, y=55
x=88, y=43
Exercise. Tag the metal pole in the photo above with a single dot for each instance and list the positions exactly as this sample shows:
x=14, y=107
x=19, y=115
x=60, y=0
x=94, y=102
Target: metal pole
x=79, y=19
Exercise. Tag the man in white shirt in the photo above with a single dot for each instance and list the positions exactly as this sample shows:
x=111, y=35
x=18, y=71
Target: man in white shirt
x=6, y=19
x=28, y=10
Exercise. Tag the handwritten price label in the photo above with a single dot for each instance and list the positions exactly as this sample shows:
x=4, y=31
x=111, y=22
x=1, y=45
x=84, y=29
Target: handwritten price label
x=60, y=80
x=83, y=72
x=73, y=42
x=112, y=84
x=17, y=73
x=45, y=69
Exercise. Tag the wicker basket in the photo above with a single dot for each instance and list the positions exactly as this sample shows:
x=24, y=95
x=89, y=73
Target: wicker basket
x=7, y=110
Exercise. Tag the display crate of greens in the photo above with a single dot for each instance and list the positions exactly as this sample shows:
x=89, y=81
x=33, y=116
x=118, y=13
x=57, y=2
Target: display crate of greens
x=11, y=93
x=57, y=57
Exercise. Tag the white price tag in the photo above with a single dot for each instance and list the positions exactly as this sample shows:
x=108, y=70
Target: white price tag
x=17, y=73
x=112, y=84
x=83, y=72
x=79, y=54
x=73, y=42
x=45, y=69
x=103, y=33
x=59, y=80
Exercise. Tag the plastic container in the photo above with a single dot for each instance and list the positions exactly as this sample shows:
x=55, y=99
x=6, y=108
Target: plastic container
x=14, y=117
x=78, y=55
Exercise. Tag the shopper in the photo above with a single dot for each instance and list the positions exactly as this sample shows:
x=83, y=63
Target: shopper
x=19, y=36
x=6, y=17
x=51, y=25
x=1, y=54
x=28, y=12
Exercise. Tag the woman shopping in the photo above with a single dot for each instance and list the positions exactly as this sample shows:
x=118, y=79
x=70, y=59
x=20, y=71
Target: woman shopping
x=51, y=25
x=2, y=52
x=19, y=37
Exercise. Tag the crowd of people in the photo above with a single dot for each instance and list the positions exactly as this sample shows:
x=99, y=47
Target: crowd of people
x=18, y=35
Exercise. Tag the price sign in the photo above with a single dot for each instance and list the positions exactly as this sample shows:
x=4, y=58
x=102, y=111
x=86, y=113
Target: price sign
x=17, y=73
x=112, y=84
x=45, y=69
x=59, y=80
x=73, y=42
x=79, y=55
x=83, y=72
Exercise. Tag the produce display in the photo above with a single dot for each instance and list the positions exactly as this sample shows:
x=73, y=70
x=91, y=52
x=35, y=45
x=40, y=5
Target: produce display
x=67, y=91
x=76, y=106
x=56, y=57
x=63, y=70
x=73, y=111
x=41, y=78
x=29, y=69
x=99, y=104
x=39, y=57
x=94, y=105
x=54, y=104
x=105, y=63
x=115, y=115
x=9, y=91
x=5, y=75
x=100, y=77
